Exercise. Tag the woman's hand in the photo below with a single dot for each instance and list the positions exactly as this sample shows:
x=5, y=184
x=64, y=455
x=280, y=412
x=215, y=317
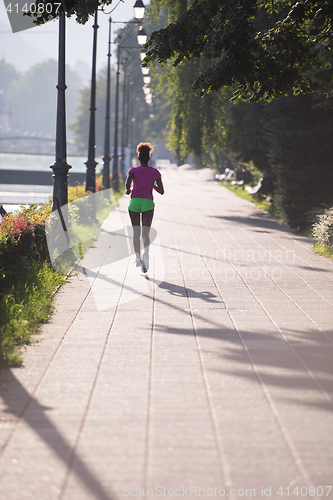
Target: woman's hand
x=158, y=186
x=128, y=183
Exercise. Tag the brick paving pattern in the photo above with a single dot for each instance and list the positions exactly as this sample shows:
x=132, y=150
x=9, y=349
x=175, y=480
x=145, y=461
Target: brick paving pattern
x=212, y=377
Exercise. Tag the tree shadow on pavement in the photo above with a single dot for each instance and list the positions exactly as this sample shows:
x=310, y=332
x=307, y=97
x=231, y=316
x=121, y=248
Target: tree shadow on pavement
x=265, y=222
x=20, y=404
x=270, y=351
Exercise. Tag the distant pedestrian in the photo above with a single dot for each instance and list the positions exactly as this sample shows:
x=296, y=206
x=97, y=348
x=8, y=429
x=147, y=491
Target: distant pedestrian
x=141, y=207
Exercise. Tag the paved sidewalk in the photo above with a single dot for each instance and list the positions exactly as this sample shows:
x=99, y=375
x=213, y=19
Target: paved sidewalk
x=216, y=373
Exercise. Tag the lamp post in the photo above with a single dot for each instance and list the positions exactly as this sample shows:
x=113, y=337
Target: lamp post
x=129, y=84
x=122, y=162
x=106, y=157
x=115, y=176
x=91, y=163
x=132, y=122
x=60, y=166
x=139, y=10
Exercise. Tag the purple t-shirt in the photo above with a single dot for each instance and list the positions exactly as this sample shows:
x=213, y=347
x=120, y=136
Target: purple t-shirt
x=143, y=181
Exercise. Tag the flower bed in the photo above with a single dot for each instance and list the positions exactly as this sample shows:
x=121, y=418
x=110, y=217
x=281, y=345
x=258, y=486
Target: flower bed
x=27, y=279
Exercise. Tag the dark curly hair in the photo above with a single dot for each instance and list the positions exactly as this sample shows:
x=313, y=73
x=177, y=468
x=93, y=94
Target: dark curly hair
x=144, y=150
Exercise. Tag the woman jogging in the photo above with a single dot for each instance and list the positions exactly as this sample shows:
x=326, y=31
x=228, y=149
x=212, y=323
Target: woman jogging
x=145, y=179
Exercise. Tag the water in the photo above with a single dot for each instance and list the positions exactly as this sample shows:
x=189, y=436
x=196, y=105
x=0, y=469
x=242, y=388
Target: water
x=16, y=161
x=12, y=161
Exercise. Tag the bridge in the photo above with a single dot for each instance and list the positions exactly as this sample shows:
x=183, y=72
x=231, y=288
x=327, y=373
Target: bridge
x=40, y=145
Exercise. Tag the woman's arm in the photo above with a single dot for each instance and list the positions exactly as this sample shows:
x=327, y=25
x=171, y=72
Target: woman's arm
x=158, y=186
x=128, y=183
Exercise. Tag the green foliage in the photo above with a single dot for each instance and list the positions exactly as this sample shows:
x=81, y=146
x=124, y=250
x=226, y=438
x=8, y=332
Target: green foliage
x=264, y=59
x=22, y=243
x=245, y=133
x=23, y=251
x=197, y=126
x=300, y=150
x=323, y=250
x=82, y=9
x=322, y=230
x=266, y=49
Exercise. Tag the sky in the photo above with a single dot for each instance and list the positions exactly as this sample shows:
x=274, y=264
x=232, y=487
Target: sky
x=35, y=45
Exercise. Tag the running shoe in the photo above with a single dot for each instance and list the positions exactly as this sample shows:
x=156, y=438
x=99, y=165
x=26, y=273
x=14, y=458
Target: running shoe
x=138, y=262
x=145, y=263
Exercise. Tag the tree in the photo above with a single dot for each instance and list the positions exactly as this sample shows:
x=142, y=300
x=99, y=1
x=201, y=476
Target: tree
x=300, y=150
x=33, y=98
x=267, y=48
x=82, y=9
x=196, y=127
x=245, y=134
x=8, y=74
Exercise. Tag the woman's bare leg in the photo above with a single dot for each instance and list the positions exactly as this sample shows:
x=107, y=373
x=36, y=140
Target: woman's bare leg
x=135, y=220
x=147, y=219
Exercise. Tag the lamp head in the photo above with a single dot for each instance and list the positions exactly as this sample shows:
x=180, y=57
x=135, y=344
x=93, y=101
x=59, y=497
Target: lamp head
x=142, y=36
x=139, y=9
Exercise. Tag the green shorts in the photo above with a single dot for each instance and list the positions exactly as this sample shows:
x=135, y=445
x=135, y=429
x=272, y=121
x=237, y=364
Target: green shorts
x=140, y=205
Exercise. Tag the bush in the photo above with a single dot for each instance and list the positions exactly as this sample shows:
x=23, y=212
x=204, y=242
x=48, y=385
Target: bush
x=22, y=243
x=26, y=279
x=323, y=229
x=299, y=134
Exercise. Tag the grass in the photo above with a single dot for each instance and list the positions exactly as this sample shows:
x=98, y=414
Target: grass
x=258, y=199
x=25, y=308
x=323, y=250
x=261, y=202
x=28, y=281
